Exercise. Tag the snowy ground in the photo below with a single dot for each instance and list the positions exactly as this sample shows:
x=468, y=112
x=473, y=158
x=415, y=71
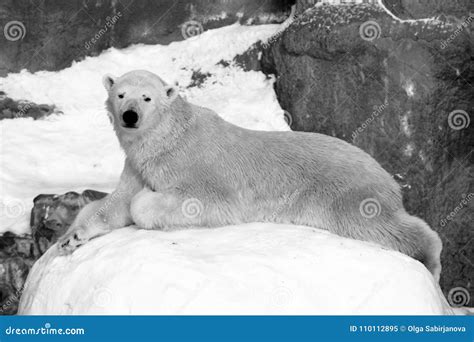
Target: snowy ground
x=248, y=269
x=79, y=150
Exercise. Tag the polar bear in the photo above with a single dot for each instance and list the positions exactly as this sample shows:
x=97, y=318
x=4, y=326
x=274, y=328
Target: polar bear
x=187, y=167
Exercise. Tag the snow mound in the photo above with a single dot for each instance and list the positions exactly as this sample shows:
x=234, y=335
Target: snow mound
x=248, y=269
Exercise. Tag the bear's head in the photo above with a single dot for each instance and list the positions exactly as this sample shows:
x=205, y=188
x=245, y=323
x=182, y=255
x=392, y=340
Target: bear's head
x=138, y=101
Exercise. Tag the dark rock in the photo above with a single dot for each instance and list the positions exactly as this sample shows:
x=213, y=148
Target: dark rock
x=303, y=5
x=198, y=78
x=11, y=109
x=49, y=35
x=52, y=215
x=223, y=63
x=416, y=9
x=250, y=59
x=9, y=299
x=456, y=10
x=93, y=195
x=13, y=245
x=50, y=218
x=406, y=97
x=17, y=255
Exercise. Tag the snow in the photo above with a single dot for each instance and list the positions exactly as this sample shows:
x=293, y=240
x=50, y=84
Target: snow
x=247, y=269
x=78, y=150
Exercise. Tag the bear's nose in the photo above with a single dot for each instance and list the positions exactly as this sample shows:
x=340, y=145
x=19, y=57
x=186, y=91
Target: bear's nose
x=130, y=117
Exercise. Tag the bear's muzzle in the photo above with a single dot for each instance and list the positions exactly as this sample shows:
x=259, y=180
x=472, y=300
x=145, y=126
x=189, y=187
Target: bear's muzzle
x=130, y=118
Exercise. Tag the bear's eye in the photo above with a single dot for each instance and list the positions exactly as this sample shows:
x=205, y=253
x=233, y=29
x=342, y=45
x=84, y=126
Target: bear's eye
x=121, y=96
x=147, y=99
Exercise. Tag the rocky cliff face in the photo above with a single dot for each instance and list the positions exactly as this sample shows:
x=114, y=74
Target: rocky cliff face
x=419, y=9
x=403, y=92
x=50, y=35
x=17, y=255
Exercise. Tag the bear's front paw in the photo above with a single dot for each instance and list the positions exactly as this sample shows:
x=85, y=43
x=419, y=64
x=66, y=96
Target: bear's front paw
x=73, y=239
x=146, y=208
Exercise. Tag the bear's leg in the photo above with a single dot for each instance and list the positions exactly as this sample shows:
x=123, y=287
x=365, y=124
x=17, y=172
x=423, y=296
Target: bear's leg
x=87, y=225
x=146, y=208
x=377, y=215
x=156, y=210
x=425, y=244
x=101, y=216
x=398, y=231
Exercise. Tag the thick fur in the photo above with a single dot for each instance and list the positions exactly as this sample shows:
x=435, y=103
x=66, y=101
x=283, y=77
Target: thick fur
x=184, y=152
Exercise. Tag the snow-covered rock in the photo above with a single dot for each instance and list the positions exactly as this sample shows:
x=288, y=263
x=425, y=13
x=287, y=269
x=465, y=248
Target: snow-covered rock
x=248, y=269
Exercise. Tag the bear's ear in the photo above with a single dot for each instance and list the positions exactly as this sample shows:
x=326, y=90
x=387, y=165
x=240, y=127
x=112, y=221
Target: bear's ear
x=108, y=81
x=171, y=92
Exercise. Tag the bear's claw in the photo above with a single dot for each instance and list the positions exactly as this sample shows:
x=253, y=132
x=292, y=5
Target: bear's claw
x=72, y=240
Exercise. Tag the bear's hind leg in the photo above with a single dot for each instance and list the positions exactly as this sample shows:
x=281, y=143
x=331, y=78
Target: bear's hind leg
x=409, y=235
x=379, y=217
x=427, y=244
